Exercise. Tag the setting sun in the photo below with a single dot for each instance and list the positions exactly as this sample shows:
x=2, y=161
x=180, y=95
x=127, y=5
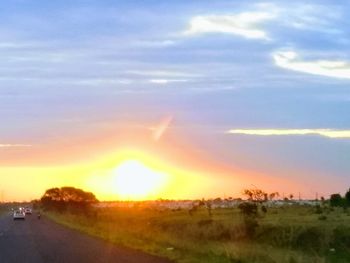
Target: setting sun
x=132, y=179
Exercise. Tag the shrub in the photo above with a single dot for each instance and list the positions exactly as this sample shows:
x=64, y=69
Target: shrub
x=322, y=217
x=250, y=214
x=250, y=223
x=318, y=209
x=341, y=237
x=310, y=239
x=248, y=209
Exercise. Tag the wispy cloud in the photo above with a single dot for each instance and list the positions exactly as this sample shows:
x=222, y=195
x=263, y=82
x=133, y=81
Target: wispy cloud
x=8, y=145
x=161, y=128
x=101, y=81
x=162, y=73
x=166, y=81
x=301, y=16
x=250, y=24
x=330, y=68
x=330, y=133
x=155, y=43
x=244, y=24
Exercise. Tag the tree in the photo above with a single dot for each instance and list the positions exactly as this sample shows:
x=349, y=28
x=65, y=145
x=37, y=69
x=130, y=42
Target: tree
x=67, y=197
x=336, y=200
x=273, y=195
x=347, y=197
x=255, y=195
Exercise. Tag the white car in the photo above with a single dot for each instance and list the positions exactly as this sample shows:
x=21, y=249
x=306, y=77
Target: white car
x=28, y=211
x=19, y=214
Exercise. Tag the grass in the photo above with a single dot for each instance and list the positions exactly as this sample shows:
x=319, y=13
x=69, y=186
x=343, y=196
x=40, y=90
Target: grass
x=284, y=235
x=3, y=209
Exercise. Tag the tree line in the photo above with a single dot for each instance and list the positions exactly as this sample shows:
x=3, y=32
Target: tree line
x=256, y=199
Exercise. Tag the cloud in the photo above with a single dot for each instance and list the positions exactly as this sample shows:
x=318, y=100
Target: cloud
x=302, y=16
x=101, y=81
x=8, y=145
x=161, y=128
x=161, y=73
x=330, y=133
x=330, y=68
x=318, y=18
x=166, y=81
x=244, y=24
x=155, y=43
x=321, y=18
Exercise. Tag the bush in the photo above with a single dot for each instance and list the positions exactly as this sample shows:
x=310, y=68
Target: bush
x=250, y=214
x=310, y=239
x=248, y=209
x=277, y=235
x=250, y=223
x=318, y=209
x=341, y=237
x=322, y=217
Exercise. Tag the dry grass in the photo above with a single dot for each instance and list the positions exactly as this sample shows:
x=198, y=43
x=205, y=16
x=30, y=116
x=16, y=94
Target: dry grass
x=284, y=235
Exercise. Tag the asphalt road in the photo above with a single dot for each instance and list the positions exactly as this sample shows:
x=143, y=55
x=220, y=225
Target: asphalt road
x=43, y=241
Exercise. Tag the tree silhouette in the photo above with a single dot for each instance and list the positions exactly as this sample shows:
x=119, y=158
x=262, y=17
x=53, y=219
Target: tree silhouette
x=273, y=195
x=255, y=195
x=67, y=197
x=347, y=197
x=336, y=200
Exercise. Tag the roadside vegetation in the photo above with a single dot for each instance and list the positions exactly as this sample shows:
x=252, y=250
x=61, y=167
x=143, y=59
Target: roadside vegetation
x=249, y=233
x=4, y=208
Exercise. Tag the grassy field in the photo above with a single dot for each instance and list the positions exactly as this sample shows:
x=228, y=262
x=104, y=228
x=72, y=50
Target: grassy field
x=293, y=234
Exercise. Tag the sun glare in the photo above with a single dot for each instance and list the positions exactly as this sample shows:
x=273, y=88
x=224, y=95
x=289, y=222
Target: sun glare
x=134, y=180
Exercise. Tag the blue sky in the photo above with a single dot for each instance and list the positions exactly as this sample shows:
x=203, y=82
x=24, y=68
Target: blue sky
x=226, y=71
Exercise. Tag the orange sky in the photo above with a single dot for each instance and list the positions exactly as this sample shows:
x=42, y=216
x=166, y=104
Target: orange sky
x=89, y=163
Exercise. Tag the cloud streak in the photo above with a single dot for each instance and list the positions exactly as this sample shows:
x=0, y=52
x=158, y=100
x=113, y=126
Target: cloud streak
x=162, y=73
x=243, y=24
x=330, y=133
x=8, y=145
x=161, y=128
x=329, y=68
x=166, y=81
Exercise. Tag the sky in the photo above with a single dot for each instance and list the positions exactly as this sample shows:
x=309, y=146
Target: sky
x=220, y=95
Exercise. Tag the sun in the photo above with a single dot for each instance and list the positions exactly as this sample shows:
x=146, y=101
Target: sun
x=135, y=180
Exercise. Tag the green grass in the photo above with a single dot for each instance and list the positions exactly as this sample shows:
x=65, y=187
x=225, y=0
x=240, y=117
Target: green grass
x=285, y=235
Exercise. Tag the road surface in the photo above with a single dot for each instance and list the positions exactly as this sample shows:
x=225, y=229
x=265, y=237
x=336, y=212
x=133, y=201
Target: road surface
x=43, y=241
